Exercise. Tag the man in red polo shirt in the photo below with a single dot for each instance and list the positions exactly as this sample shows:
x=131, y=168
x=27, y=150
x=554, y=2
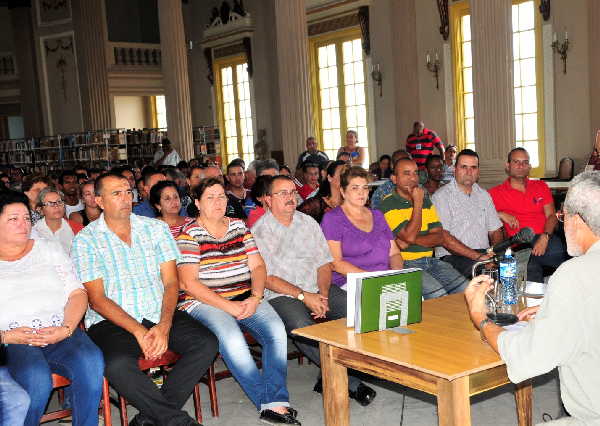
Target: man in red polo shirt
x=521, y=203
x=421, y=142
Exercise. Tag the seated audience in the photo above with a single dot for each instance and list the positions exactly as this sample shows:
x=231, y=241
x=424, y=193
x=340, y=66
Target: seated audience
x=358, y=154
x=31, y=186
x=128, y=173
x=359, y=238
x=91, y=211
x=389, y=186
x=213, y=172
x=151, y=178
x=383, y=169
x=329, y=195
x=165, y=200
x=299, y=280
x=344, y=156
x=414, y=221
x=236, y=193
x=40, y=309
x=434, y=168
x=195, y=176
x=312, y=154
x=250, y=174
x=258, y=194
x=127, y=265
x=449, y=159
x=174, y=175
x=69, y=184
x=310, y=174
x=54, y=226
x=14, y=401
x=223, y=277
x=262, y=167
x=471, y=224
x=563, y=331
x=522, y=202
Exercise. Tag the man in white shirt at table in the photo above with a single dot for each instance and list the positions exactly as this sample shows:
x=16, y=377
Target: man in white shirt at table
x=166, y=155
x=564, y=330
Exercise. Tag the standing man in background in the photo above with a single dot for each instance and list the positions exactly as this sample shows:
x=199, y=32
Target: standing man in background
x=420, y=144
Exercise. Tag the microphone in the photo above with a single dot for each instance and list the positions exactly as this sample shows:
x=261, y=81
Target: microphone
x=525, y=235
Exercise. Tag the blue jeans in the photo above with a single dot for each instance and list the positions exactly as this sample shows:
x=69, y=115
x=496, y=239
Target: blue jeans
x=439, y=277
x=14, y=401
x=76, y=358
x=267, y=389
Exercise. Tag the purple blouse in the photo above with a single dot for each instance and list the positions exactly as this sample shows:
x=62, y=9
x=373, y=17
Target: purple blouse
x=366, y=250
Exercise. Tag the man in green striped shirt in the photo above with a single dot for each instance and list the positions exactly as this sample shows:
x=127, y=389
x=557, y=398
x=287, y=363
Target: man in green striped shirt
x=414, y=221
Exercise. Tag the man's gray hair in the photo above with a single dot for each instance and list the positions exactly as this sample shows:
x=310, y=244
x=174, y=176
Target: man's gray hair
x=266, y=165
x=48, y=190
x=583, y=198
x=252, y=166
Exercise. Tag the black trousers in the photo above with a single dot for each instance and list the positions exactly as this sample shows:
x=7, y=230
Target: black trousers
x=197, y=347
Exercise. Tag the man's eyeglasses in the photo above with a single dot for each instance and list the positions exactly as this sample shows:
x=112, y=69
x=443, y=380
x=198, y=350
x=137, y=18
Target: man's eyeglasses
x=560, y=215
x=58, y=203
x=284, y=193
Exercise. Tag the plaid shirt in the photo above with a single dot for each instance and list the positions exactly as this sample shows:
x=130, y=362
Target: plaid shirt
x=131, y=275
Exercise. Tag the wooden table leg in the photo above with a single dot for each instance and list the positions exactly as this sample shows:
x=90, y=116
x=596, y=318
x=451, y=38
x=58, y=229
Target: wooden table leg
x=335, y=388
x=523, y=399
x=454, y=405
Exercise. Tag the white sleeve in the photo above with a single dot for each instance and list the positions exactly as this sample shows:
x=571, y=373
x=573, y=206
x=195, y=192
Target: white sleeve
x=65, y=270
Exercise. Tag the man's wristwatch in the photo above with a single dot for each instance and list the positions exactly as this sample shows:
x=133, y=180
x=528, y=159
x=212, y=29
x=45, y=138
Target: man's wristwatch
x=300, y=297
x=482, y=324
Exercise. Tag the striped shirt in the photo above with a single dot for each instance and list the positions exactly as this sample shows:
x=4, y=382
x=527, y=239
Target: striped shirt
x=398, y=211
x=223, y=261
x=421, y=147
x=130, y=274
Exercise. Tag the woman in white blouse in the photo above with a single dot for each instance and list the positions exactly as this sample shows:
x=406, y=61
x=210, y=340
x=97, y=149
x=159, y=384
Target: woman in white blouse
x=42, y=303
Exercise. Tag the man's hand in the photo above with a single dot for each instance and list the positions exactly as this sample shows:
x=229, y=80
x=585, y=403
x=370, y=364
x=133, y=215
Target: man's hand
x=317, y=304
x=140, y=335
x=157, y=339
x=482, y=256
x=249, y=308
x=475, y=297
x=540, y=246
x=528, y=313
x=417, y=194
x=402, y=245
x=509, y=219
x=49, y=336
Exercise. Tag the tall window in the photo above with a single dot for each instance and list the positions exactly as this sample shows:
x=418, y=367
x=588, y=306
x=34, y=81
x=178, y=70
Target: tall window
x=463, y=60
x=528, y=115
x=235, y=110
x=160, y=109
x=339, y=91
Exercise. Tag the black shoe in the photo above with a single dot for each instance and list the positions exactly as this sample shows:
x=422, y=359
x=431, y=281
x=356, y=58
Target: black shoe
x=141, y=420
x=318, y=386
x=292, y=412
x=273, y=418
x=364, y=395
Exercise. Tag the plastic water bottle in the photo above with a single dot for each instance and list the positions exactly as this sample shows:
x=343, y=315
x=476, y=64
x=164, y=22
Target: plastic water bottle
x=508, y=278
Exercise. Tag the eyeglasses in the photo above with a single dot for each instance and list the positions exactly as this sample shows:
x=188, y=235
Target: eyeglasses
x=58, y=203
x=560, y=215
x=284, y=193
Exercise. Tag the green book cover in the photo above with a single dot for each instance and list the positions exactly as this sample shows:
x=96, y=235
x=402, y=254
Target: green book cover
x=388, y=301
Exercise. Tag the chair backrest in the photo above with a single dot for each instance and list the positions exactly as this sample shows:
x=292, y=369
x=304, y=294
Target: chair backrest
x=566, y=168
x=522, y=258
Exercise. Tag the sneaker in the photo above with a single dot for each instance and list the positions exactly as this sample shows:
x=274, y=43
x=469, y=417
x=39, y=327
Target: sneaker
x=273, y=418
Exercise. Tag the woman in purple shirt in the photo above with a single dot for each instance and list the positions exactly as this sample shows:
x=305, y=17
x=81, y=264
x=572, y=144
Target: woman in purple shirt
x=359, y=238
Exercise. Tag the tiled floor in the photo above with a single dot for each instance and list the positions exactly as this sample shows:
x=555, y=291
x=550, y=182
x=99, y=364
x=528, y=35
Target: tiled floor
x=495, y=408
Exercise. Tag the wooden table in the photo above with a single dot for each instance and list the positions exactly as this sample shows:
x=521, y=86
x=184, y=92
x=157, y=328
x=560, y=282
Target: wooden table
x=444, y=357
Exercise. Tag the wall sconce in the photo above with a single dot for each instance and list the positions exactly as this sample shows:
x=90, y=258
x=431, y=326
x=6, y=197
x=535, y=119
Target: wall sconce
x=434, y=66
x=561, y=47
x=377, y=77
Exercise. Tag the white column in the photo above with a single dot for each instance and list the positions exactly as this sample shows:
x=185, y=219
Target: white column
x=293, y=76
x=491, y=26
x=175, y=72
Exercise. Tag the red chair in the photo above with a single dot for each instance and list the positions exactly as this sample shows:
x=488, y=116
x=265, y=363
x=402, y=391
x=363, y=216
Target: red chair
x=164, y=362
x=59, y=383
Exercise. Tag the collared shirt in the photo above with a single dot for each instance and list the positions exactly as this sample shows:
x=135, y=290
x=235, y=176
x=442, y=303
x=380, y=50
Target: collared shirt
x=527, y=207
x=172, y=159
x=398, y=212
x=563, y=334
x=131, y=275
x=145, y=209
x=292, y=253
x=76, y=208
x=421, y=146
x=468, y=217
x=317, y=158
x=64, y=235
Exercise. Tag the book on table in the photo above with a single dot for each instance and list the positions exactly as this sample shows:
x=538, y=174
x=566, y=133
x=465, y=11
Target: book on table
x=384, y=299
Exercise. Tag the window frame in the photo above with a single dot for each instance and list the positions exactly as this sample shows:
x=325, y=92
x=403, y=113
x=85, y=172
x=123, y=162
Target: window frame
x=338, y=38
x=539, y=82
x=218, y=65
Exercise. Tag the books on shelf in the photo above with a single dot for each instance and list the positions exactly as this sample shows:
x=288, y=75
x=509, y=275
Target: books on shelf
x=384, y=299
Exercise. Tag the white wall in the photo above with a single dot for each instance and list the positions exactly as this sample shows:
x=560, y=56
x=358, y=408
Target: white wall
x=130, y=112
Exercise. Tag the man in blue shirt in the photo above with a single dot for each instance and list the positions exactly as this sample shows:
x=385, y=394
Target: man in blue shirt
x=127, y=265
x=144, y=208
